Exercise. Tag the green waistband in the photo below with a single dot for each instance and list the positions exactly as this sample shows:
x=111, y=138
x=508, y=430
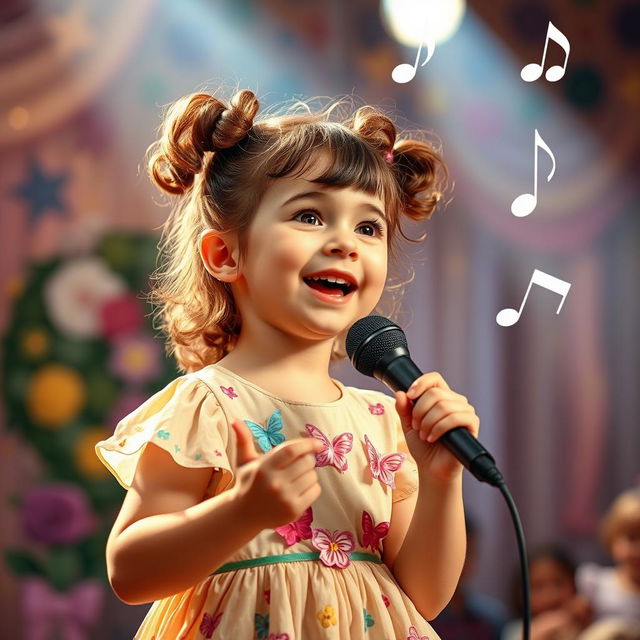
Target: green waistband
x=290, y=557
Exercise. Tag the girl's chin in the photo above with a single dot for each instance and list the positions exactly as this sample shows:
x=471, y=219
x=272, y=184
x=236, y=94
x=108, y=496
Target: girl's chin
x=319, y=331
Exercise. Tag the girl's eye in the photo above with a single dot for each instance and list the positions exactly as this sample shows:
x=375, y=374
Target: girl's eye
x=306, y=212
x=376, y=225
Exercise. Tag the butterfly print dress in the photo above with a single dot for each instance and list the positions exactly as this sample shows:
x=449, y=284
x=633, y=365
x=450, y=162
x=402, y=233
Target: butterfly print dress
x=321, y=576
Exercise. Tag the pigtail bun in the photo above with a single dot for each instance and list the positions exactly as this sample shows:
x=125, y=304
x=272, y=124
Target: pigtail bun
x=375, y=128
x=420, y=172
x=194, y=125
x=422, y=176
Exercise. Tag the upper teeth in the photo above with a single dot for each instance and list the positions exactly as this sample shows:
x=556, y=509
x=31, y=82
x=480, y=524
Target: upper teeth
x=330, y=279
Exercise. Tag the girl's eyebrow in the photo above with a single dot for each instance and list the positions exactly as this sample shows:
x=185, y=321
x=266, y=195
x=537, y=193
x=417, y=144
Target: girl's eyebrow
x=311, y=194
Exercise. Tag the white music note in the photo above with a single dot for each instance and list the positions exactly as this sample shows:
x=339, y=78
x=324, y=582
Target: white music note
x=525, y=203
x=533, y=71
x=405, y=72
x=508, y=317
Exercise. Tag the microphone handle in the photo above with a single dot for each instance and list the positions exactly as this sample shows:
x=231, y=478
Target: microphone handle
x=398, y=371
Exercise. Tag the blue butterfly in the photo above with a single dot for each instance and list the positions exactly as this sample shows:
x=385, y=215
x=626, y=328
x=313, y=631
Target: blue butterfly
x=268, y=437
x=261, y=625
x=368, y=620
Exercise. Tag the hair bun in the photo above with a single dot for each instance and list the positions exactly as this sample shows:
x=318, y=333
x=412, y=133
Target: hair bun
x=421, y=174
x=196, y=124
x=376, y=128
x=232, y=124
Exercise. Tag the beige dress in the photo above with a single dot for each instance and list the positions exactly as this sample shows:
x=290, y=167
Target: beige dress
x=319, y=577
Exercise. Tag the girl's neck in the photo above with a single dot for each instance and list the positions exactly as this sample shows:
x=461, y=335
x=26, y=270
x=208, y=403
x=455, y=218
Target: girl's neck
x=301, y=376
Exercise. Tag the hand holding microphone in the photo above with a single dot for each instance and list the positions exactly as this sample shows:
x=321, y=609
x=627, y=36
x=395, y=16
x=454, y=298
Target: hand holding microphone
x=428, y=411
x=377, y=347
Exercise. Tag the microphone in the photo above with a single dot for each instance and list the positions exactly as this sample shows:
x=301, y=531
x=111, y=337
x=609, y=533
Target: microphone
x=378, y=348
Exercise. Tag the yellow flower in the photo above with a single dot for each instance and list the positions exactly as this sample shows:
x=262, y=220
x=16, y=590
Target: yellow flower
x=327, y=616
x=55, y=395
x=87, y=462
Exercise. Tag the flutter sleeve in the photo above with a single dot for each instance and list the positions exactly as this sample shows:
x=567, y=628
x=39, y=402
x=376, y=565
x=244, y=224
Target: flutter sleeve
x=185, y=419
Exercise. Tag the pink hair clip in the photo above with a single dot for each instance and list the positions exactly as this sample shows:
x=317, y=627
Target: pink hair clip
x=388, y=156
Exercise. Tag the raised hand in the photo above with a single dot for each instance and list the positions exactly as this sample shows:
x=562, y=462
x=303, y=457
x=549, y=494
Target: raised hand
x=276, y=487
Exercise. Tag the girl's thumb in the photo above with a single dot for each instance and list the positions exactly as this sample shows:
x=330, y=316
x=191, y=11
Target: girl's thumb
x=245, y=449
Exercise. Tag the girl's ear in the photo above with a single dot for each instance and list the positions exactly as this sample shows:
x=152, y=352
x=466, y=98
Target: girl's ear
x=219, y=252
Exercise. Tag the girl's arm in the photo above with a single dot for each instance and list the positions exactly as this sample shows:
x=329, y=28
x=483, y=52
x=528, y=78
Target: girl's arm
x=429, y=562
x=165, y=539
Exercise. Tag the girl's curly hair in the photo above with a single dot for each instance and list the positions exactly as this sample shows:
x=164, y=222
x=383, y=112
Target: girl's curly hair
x=219, y=161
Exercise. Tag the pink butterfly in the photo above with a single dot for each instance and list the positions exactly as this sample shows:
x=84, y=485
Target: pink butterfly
x=209, y=624
x=371, y=535
x=229, y=391
x=298, y=530
x=384, y=467
x=333, y=453
x=376, y=409
x=414, y=635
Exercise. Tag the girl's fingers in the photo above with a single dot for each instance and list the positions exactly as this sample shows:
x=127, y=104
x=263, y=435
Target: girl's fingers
x=424, y=382
x=457, y=419
x=434, y=413
x=438, y=399
x=428, y=413
x=286, y=453
x=245, y=449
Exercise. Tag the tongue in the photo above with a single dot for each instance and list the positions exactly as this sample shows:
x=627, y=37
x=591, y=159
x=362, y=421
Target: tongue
x=315, y=284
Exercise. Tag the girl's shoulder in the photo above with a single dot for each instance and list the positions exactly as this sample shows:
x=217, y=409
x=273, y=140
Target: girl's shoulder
x=180, y=397
x=184, y=418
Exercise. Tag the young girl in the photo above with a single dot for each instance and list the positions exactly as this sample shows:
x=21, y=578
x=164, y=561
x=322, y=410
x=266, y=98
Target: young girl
x=275, y=502
x=614, y=592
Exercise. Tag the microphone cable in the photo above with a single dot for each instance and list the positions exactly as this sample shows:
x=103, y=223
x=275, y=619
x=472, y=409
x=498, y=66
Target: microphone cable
x=522, y=553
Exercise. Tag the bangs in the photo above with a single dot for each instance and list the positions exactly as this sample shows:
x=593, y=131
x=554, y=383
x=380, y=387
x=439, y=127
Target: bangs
x=352, y=161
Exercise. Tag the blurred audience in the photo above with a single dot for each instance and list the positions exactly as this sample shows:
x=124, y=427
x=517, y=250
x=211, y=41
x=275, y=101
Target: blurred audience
x=612, y=630
x=614, y=592
x=557, y=611
x=471, y=615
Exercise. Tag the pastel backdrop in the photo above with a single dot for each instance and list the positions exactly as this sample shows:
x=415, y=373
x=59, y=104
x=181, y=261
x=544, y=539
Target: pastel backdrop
x=83, y=84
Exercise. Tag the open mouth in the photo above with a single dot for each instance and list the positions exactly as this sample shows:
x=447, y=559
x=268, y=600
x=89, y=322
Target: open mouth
x=330, y=286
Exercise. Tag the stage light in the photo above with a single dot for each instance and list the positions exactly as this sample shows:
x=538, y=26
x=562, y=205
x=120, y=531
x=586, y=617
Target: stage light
x=408, y=20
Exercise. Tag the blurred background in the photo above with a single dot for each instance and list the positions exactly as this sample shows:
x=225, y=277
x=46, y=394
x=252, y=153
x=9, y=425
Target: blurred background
x=82, y=87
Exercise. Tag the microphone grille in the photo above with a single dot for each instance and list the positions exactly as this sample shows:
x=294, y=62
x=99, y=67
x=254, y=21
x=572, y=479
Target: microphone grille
x=364, y=357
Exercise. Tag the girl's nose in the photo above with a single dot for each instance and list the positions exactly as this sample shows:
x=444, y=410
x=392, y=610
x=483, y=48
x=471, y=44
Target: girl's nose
x=342, y=245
